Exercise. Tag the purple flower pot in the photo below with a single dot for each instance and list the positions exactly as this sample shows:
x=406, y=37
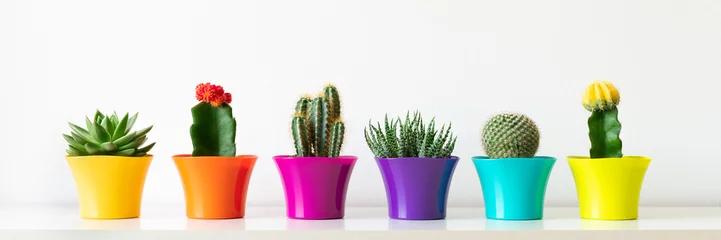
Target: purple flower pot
x=315, y=187
x=417, y=188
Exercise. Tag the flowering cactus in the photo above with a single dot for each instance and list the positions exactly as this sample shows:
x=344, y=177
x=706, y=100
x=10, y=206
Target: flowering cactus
x=601, y=98
x=213, y=129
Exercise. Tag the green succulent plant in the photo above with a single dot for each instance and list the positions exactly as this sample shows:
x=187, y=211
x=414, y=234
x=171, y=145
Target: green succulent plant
x=108, y=135
x=317, y=127
x=411, y=138
x=510, y=135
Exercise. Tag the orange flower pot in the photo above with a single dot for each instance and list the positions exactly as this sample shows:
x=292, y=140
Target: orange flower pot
x=215, y=187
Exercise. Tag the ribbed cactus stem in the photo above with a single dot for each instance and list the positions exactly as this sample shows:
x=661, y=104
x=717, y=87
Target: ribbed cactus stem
x=320, y=123
x=331, y=94
x=336, y=136
x=303, y=105
x=323, y=126
x=604, y=130
x=300, y=136
x=213, y=130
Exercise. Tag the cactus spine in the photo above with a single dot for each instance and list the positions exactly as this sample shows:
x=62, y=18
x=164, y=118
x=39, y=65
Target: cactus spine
x=317, y=127
x=510, y=135
x=601, y=99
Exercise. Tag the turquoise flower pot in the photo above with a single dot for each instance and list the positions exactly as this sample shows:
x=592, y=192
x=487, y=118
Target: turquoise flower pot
x=514, y=188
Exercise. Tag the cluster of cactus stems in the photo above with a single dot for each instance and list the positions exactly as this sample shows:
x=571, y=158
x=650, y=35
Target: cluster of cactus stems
x=213, y=129
x=316, y=126
x=396, y=138
x=510, y=135
x=604, y=129
x=108, y=135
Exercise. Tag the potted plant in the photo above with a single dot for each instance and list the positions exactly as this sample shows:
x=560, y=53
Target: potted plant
x=215, y=180
x=416, y=165
x=513, y=179
x=109, y=165
x=316, y=178
x=608, y=183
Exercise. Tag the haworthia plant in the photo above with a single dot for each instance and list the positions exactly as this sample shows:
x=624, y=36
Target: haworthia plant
x=108, y=135
x=409, y=138
x=316, y=127
x=604, y=129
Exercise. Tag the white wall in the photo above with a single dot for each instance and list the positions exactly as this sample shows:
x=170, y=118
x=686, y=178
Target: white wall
x=459, y=60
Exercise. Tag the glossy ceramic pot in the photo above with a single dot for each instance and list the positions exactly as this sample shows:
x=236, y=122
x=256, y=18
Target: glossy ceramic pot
x=417, y=188
x=109, y=187
x=514, y=188
x=215, y=187
x=315, y=187
x=609, y=188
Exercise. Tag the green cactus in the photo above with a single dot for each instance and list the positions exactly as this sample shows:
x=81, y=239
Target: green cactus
x=108, y=135
x=604, y=129
x=319, y=121
x=299, y=128
x=213, y=130
x=336, y=138
x=317, y=127
x=331, y=94
x=409, y=139
x=510, y=135
x=303, y=105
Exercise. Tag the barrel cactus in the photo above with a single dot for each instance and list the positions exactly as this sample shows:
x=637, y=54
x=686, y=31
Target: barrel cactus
x=510, y=135
x=601, y=98
x=317, y=128
x=213, y=129
x=108, y=135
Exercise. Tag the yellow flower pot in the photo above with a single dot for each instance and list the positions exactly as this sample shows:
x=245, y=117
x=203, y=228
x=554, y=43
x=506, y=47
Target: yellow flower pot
x=609, y=188
x=109, y=187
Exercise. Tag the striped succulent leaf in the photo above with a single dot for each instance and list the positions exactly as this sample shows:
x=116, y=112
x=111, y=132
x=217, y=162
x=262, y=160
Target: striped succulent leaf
x=409, y=138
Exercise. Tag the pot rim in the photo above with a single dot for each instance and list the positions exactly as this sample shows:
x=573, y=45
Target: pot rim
x=623, y=158
x=190, y=156
x=534, y=158
x=416, y=158
x=291, y=157
x=106, y=156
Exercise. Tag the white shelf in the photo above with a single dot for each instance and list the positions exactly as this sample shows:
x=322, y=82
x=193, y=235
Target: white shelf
x=169, y=222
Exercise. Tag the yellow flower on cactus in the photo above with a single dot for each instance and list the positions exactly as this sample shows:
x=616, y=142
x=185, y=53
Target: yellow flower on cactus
x=601, y=96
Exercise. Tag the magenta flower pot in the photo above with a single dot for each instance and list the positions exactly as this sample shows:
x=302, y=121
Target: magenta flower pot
x=315, y=187
x=417, y=188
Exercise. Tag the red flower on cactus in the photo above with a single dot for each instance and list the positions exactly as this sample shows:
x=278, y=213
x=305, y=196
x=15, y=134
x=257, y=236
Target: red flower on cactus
x=213, y=94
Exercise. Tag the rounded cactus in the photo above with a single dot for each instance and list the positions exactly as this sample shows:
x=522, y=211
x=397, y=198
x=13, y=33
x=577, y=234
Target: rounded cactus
x=601, y=96
x=510, y=135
